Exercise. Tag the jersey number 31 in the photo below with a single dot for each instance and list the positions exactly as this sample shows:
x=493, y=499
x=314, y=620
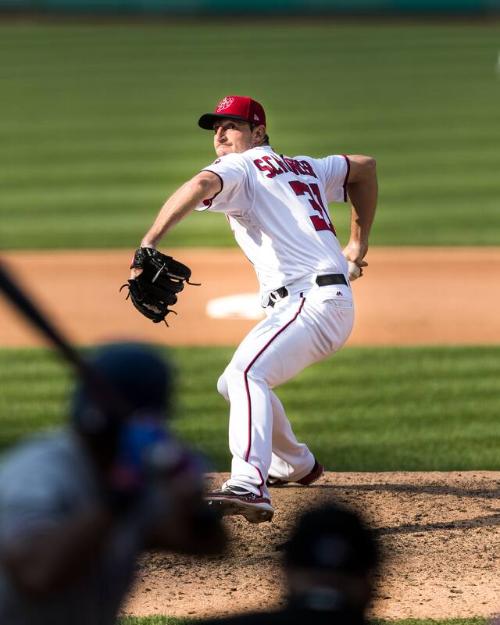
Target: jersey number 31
x=313, y=195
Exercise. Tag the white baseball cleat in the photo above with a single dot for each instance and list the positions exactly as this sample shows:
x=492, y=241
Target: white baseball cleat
x=234, y=500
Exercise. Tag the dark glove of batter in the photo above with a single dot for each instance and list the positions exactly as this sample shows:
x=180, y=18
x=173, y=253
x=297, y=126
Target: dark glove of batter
x=155, y=289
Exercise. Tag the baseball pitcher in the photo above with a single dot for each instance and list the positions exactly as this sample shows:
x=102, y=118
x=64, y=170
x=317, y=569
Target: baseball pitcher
x=277, y=208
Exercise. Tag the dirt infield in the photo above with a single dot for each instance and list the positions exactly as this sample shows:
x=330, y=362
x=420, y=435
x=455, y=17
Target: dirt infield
x=407, y=296
x=439, y=533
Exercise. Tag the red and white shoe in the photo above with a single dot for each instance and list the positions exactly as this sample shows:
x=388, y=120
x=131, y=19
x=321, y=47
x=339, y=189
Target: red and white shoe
x=234, y=500
x=313, y=475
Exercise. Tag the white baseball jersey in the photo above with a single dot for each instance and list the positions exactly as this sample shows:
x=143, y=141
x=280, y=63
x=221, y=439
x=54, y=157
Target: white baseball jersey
x=277, y=208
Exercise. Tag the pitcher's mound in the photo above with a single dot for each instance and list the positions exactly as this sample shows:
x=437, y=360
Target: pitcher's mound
x=440, y=533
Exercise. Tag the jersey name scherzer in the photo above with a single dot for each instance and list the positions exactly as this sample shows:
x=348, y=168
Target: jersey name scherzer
x=277, y=208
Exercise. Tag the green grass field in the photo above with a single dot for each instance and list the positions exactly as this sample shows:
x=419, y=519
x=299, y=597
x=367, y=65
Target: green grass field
x=98, y=122
x=363, y=410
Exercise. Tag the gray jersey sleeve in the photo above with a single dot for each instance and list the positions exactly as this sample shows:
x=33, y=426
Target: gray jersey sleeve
x=37, y=489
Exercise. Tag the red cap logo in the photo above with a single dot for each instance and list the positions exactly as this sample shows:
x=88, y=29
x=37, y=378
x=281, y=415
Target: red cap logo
x=238, y=107
x=224, y=104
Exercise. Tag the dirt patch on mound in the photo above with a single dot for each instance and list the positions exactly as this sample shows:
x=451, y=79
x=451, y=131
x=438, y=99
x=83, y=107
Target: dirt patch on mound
x=440, y=533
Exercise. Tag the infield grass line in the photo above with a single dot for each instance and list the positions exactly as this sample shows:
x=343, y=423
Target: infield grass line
x=364, y=409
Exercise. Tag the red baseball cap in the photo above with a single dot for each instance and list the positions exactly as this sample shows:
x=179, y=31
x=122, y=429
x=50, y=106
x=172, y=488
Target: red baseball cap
x=239, y=107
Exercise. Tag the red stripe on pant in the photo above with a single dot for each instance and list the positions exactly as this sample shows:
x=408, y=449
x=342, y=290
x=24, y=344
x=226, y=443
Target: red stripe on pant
x=245, y=375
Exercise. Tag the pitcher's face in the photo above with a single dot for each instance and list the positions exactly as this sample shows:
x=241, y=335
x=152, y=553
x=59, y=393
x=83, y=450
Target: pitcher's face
x=232, y=135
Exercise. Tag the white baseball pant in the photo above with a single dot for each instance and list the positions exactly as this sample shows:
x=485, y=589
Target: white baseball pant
x=300, y=329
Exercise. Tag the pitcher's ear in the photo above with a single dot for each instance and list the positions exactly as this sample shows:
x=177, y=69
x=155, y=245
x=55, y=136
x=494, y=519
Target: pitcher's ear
x=259, y=132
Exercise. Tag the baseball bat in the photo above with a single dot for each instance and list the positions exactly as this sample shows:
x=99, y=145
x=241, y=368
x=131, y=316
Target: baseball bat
x=103, y=393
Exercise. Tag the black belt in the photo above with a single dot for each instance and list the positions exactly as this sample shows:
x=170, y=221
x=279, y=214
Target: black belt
x=331, y=278
x=324, y=280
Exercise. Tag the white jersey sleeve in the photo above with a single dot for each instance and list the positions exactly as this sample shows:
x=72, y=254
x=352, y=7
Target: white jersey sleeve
x=231, y=199
x=334, y=171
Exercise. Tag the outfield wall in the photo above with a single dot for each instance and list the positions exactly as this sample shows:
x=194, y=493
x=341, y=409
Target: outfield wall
x=189, y=7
